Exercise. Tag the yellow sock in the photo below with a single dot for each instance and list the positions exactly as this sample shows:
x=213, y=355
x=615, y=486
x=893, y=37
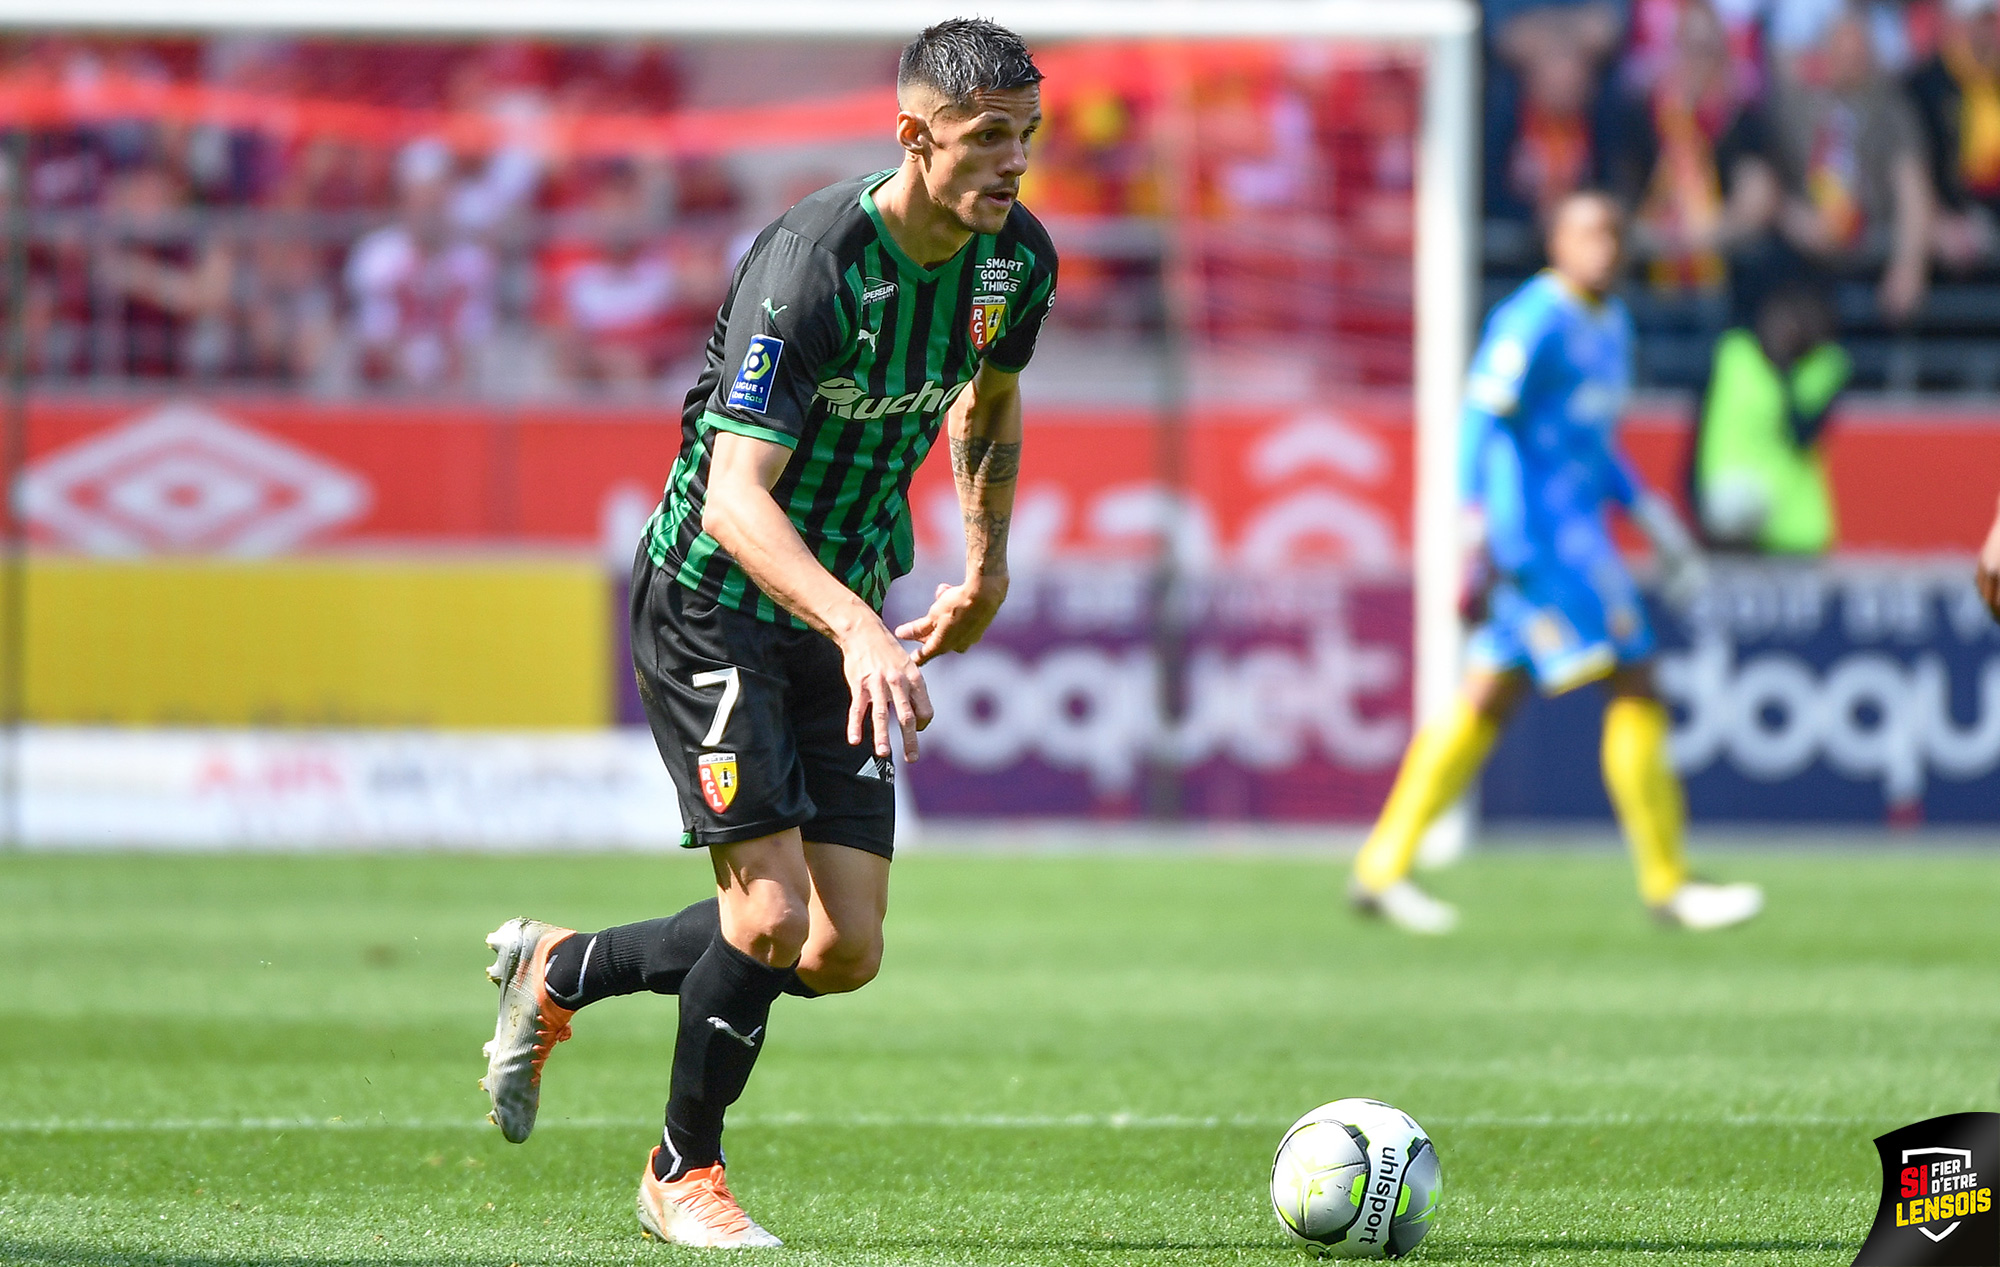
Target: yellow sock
x=1442, y=759
x=1646, y=793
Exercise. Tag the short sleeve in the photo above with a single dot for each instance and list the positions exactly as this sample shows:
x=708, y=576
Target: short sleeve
x=784, y=322
x=1473, y=428
x=1503, y=499
x=1500, y=367
x=1012, y=351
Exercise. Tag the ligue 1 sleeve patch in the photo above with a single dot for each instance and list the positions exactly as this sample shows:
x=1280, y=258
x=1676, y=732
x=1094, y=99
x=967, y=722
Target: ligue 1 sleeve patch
x=752, y=388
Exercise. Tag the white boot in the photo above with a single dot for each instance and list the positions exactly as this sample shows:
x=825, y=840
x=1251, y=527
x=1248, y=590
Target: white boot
x=1407, y=907
x=1701, y=906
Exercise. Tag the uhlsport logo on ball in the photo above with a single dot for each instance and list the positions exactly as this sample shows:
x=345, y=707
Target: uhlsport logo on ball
x=1356, y=1179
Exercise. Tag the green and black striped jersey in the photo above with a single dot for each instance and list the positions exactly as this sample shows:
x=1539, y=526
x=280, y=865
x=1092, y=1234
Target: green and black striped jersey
x=835, y=344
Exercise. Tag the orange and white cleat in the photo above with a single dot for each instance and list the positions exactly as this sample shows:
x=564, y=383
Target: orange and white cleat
x=530, y=1023
x=697, y=1209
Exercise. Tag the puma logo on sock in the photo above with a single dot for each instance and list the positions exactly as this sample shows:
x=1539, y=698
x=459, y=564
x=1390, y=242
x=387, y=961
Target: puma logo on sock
x=748, y=1040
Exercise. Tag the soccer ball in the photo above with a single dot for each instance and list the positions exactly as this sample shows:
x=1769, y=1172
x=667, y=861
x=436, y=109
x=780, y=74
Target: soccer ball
x=1356, y=1179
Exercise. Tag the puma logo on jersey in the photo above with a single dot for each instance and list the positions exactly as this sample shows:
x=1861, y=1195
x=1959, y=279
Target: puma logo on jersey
x=868, y=336
x=771, y=312
x=748, y=1040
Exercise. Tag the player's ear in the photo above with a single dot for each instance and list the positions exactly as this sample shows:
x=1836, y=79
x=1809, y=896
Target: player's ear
x=913, y=133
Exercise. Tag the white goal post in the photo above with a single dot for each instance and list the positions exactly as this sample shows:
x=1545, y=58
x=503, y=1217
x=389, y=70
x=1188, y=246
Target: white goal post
x=1447, y=221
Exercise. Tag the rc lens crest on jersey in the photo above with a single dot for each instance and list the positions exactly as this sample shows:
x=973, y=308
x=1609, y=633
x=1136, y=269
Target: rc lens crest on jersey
x=988, y=311
x=717, y=774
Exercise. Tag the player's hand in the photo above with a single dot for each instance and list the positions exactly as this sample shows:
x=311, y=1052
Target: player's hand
x=883, y=682
x=957, y=619
x=1683, y=571
x=1988, y=577
x=1683, y=576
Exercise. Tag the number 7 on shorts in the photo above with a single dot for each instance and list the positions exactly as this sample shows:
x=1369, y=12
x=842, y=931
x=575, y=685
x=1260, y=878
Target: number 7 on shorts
x=732, y=689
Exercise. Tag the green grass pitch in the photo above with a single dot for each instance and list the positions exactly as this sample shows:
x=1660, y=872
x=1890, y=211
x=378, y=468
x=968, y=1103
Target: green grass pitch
x=223, y=1061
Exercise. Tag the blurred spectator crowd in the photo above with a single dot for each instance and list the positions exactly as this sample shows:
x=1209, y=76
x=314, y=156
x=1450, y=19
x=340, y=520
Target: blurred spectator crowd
x=170, y=248
x=409, y=216
x=397, y=217
x=277, y=252
x=1849, y=147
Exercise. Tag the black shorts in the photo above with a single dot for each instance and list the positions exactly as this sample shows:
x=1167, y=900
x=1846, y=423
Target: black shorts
x=751, y=719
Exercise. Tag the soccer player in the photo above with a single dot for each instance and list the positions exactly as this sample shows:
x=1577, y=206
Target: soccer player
x=868, y=317
x=1546, y=590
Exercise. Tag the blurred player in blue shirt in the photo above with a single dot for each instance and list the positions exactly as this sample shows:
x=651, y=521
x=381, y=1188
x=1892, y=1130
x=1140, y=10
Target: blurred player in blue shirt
x=1547, y=595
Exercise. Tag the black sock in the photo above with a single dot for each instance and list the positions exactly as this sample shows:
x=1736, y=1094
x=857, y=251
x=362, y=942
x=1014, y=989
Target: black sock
x=653, y=954
x=725, y=1002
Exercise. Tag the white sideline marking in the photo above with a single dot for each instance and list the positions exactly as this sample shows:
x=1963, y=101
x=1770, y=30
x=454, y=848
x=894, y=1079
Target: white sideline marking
x=1098, y=1121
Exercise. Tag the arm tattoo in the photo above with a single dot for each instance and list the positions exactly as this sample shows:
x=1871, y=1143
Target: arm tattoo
x=986, y=533
x=985, y=462
x=983, y=468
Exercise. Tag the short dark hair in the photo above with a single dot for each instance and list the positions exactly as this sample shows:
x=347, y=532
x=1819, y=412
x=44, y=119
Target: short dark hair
x=1587, y=193
x=961, y=56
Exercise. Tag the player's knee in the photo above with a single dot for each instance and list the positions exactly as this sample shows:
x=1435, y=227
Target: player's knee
x=842, y=965
x=786, y=935
x=769, y=925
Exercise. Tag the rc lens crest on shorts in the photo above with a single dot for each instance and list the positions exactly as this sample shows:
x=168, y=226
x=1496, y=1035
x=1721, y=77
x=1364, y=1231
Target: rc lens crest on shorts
x=717, y=775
